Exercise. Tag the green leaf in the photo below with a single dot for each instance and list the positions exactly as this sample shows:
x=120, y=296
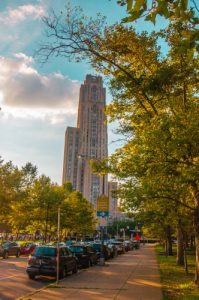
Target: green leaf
x=151, y=17
x=133, y=16
x=162, y=8
x=140, y=4
x=184, y=4
x=129, y=5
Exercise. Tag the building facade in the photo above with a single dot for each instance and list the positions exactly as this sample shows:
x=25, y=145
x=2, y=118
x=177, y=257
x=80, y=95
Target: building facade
x=70, y=156
x=88, y=141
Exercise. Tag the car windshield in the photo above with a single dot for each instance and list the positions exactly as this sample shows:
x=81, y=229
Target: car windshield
x=45, y=251
x=76, y=249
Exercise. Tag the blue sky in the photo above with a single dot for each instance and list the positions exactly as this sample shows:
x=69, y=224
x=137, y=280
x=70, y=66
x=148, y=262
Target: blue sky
x=39, y=102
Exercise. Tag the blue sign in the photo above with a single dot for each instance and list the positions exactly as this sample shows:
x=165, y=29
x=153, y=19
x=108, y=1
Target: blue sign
x=102, y=213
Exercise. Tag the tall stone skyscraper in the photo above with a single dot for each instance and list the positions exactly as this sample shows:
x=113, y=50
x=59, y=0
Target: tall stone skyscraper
x=88, y=141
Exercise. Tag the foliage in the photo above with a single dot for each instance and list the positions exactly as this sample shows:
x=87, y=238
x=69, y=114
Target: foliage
x=172, y=10
x=176, y=284
x=116, y=227
x=30, y=203
x=77, y=214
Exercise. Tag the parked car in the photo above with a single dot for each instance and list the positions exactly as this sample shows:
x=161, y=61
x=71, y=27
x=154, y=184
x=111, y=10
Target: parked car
x=43, y=261
x=86, y=255
x=128, y=245
x=136, y=244
x=120, y=246
x=27, y=248
x=113, y=249
x=98, y=248
x=9, y=248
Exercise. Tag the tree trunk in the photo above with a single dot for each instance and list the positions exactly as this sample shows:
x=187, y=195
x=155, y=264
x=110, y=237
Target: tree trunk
x=180, y=246
x=185, y=260
x=195, y=193
x=196, y=219
x=192, y=241
x=169, y=241
x=165, y=247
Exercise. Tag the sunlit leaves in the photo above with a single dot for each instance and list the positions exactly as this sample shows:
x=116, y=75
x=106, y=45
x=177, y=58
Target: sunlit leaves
x=30, y=203
x=175, y=10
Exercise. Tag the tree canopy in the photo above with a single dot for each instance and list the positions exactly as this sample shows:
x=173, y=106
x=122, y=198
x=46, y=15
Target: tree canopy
x=29, y=203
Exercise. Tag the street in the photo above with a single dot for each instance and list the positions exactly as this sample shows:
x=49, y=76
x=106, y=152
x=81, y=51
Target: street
x=14, y=281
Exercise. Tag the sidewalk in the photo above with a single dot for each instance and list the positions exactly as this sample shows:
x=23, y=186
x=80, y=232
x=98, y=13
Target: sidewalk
x=131, y=276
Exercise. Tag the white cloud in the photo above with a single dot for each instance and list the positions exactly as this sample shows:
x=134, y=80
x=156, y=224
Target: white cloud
x=21, y=13
x=35, y=140
x=27, y=93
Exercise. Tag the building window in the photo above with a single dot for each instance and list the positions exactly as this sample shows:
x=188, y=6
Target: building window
x=94, y=93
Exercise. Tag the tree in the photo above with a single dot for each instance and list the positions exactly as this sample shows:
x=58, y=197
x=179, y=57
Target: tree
x=14, y=186
x=44, y=200
x=155, y=101
x=77, y=214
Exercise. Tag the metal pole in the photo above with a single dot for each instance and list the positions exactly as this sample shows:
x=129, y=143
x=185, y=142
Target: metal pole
x=58, y=238
x=102, y=259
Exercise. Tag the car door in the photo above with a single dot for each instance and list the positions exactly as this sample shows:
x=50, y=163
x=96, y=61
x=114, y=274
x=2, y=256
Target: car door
x=11, y=249
x=70, y=258
x=64, y=261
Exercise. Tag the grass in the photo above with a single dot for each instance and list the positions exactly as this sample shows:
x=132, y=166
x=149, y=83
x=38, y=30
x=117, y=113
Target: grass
x=176, y=284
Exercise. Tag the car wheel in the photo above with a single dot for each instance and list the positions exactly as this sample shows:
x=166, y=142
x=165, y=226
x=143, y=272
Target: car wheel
x=5, y=255
x=18, y=254
x=74, y=271
x=31, y=276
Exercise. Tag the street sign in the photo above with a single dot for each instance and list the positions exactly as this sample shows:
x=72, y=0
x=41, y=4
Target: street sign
x=103, y=203
x=102, y=213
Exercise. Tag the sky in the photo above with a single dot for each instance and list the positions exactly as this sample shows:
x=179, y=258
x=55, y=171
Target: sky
x=39, y=101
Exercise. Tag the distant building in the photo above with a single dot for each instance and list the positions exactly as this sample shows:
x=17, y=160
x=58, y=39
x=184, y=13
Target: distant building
x=113, y=199
x=88, y=141
x=70, y=156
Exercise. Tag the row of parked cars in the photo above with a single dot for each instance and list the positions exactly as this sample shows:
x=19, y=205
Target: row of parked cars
x=44, y=259
x=12, y=248
x=72, y=256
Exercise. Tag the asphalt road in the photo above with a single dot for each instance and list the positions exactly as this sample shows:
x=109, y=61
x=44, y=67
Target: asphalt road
x=14, y=282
